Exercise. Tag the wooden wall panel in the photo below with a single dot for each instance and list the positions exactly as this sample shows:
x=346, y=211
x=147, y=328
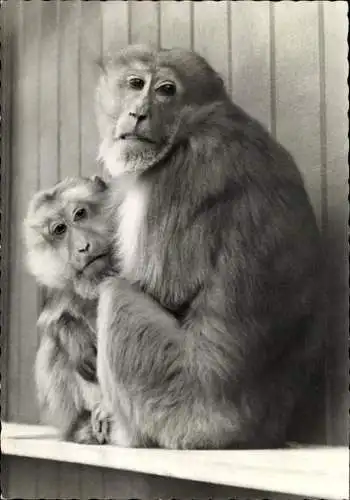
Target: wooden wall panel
x=250, y=61
x=15, y=255
x=144, y=22
x=336, y=103
x=69, y=483
x=23, y=300
x=115, y=25
x=49, y=117
x=69, y=92
x=6, y=27
x=127, y=485
x=28, y=185
x=20, y=481
x=90, y=49
x=211, y=34
x=297, y=75
x=176, y=25
x=284, y=63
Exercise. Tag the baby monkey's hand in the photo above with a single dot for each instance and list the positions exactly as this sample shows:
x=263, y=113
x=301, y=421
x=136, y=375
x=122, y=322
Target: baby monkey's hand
x=100, y=422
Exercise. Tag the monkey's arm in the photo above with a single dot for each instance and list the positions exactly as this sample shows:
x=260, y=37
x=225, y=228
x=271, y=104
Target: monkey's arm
x=78, y=342
x=66, y=352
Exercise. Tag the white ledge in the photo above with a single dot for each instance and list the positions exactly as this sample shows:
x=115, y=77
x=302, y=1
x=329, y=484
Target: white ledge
x=319, y=472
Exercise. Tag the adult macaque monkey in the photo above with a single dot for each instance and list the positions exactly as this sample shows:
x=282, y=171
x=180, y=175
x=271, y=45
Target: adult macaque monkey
x=68, y=242
x=207, y=337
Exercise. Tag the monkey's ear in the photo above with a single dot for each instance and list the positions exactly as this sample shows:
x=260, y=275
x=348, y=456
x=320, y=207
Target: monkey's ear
x=99, y=183
x=101, y=64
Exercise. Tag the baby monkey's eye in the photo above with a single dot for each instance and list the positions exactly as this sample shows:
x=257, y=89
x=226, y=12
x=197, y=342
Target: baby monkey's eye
x=59, y=229
x=79, y=214
x=166, y=89
x=136, y=83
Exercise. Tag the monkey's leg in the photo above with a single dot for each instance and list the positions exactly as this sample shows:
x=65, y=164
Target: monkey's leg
x=57, y=388
x=63, y=395
x=154, y=375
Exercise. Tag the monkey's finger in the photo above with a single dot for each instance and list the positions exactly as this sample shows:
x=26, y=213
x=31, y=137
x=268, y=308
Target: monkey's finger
x=100, y=423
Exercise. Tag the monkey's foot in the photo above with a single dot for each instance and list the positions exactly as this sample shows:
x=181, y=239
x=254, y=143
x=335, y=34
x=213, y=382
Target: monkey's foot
x=85, y=435
x=100, y=423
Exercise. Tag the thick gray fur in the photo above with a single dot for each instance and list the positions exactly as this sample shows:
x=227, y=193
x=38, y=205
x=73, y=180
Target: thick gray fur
x=211, y=338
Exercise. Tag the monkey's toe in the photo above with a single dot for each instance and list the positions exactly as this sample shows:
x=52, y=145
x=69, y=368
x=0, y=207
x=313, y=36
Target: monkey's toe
x=100, y=423
x=85, y=435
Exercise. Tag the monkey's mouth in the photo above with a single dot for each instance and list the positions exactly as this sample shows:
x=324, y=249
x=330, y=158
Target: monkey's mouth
x=100, y=260
x=136, y=137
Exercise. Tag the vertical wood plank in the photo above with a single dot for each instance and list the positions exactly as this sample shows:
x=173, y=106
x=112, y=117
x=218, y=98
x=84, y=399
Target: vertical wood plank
x=91, y=31
x=49, y=116
x=48, y=476
x=15, y=247
x=175, y=25
x=93, y=483
x=211, y=34
x=21, y=477
x=297, y=89
x=48, y=485
x=27, y=185
x=250, y=58
x=336, y=104
x=144, y=22
x=6, y=22
x=70, y=479
x=69, y=101
x=124, y=484
x=115, y=25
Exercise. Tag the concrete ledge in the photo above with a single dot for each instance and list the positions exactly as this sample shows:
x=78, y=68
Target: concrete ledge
x=321, y=472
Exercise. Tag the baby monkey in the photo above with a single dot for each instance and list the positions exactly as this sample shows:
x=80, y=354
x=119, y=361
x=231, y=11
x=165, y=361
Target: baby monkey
x=68, y=243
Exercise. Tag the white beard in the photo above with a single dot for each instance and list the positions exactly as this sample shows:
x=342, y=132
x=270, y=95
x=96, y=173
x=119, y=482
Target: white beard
x=132, y=227
x=110, y=155
x=131, y=208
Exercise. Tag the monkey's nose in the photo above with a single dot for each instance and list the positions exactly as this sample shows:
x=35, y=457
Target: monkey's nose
x=84, y=249
x=138, y=116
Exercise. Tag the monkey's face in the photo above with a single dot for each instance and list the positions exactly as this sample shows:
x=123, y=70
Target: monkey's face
x=140, y=96
x=67, y=236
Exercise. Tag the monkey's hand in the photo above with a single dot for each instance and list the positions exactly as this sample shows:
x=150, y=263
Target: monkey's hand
x=86, y=365
x=100, y=422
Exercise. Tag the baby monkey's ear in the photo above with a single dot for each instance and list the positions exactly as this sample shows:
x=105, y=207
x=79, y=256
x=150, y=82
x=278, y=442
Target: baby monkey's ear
x=99, y=183
x=101, y=63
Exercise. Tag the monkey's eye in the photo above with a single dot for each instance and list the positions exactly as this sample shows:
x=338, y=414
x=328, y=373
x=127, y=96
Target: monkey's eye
x=59, y=229
x=136, y=83
x=79, y=214
x=167, y=89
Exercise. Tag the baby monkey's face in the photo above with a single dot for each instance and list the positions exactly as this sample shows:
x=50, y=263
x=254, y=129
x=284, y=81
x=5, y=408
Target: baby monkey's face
x=68, y=237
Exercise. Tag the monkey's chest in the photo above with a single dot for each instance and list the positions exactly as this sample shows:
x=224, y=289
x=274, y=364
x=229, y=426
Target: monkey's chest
x=152, y=253
x=132, y=231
